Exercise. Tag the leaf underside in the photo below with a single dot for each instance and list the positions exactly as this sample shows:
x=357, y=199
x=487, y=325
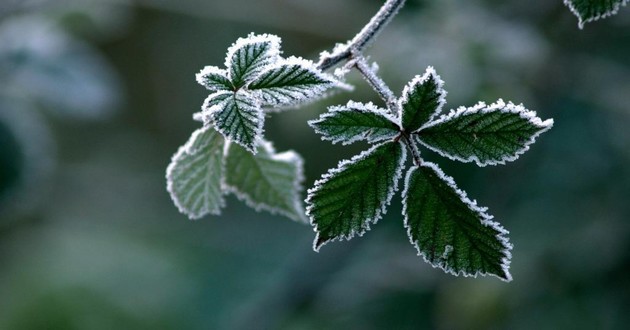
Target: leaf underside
x=354, y=195
x=194, y=175
x=292, y=82
x=239, y=118
x=449, y=230
x=354, y=122
x=422, y=99
x=592, y=10
x=488, y=135
x=266, y=180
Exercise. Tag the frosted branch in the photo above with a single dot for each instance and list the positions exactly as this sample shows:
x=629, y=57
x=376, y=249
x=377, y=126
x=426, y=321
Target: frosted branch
x=363, y=38
x=376, y=82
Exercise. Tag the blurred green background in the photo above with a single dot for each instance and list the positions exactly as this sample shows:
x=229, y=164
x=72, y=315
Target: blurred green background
x=95, y=97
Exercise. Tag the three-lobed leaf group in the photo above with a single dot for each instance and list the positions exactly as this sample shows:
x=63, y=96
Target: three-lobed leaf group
x=447, y=228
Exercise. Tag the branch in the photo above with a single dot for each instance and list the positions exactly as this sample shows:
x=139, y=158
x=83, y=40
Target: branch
x=363, y=38
x=376, y=82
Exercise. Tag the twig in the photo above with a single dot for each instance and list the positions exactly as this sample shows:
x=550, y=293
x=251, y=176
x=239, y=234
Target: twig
x=376, y=82
x=363, y=38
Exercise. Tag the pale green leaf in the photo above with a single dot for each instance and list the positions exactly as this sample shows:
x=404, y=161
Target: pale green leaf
x=247, y=57
x=356, y=121
x=237, y=116
x=487, y=135
x=351, y=197
x=592, y=10
x=195, y=173
x=291, y=81
x=422, y=100
x=267, y=180
x=214, y=79
x=449, y=230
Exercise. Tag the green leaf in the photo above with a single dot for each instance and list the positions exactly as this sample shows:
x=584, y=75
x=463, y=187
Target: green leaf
x=247, y=57
x=356, y=121
x=267, y=181
x=347, y=199
x=592, y=10
x=487, y=135
x=422, y=99
x=237, y=116
x=449, y=230
x=214, y=79
x=291, y=81
x=195, y=173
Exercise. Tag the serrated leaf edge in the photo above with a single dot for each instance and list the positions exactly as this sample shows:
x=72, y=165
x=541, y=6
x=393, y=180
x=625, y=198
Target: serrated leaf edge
x=352, y=106
x=420, y=80
x=187, y=148
x=252, y=38
x=289, y=156
x=210, y=70
x=582, y=21
x=340, y=167
x=208, y=113
x=481, y=107
x=472, y=204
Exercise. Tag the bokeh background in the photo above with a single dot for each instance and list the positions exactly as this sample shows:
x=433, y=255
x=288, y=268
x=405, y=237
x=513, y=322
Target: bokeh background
x=96, y=95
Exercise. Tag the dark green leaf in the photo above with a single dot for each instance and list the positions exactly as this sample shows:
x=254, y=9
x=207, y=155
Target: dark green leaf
x=214, y=79
x=195, y=173
x=356, y=121
x=267, y=180
x=247, y=57
x=487, y=135
x=290, y=82
x=422, y=99
x=592, y=10
x=347, y=199
x=449, y=230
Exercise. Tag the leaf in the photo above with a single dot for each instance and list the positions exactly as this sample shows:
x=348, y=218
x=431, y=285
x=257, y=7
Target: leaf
x=356, y=121
x=214, y=79
x=422, y=99
x=291, y=81
x=449, y=230
x=267, y=180
x=592, y=10
x=247, y=57
x=487, y=135
x=347, y=199
x=237, y=116
x=195, y=173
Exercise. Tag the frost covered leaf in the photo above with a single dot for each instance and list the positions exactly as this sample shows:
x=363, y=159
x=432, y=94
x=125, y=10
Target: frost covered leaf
x=449, y=230
x=592, y=10
x=487, y=135
x=266, y=180
x=195, y=173
x=237, y=116
x=247, y=57
x=214, y=79
x=347, y=199
x=422, y=99
x=355, y=121
x=291, y=81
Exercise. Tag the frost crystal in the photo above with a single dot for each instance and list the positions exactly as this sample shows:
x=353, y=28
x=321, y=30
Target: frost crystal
x=593, y=10
x=422, y=99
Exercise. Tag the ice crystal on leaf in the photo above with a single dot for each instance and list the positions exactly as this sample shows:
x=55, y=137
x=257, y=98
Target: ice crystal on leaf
x=448, y=229
x=593, y=10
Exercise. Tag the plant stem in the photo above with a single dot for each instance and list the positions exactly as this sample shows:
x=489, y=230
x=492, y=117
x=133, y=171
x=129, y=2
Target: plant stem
x=376, y=82
x=415, y=153
x=363, y=38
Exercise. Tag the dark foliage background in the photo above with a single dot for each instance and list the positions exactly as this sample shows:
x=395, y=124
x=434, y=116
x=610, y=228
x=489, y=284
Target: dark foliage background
x=97, y=95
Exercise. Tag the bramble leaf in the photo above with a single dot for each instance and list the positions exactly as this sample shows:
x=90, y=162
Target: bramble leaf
x=237, y=116
x=247, y=57
x=214, y=79
x=291, y=81
x=422, y=99
x=266, y=180
x=449, y=230
x=593, y=10
x=194, y=174
x=351, y=197
x=487, y=135
x=356, y=121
